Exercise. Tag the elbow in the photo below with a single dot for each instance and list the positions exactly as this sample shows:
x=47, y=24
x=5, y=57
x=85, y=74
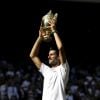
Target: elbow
x=31, y=56
x=60, y=47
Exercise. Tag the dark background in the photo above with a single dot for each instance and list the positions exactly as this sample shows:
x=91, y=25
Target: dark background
x=78, y=26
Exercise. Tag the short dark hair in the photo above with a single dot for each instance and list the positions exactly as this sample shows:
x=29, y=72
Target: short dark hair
x=54, y=48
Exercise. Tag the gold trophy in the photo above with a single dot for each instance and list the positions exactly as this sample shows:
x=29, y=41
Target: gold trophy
x=45, y=24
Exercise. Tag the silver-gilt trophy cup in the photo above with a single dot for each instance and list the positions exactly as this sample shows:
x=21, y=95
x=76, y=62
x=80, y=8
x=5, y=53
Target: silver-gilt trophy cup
x=46, y=25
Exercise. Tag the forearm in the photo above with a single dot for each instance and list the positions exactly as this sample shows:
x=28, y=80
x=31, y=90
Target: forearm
x=60, y=47
x=57, y=40
x=35, y=48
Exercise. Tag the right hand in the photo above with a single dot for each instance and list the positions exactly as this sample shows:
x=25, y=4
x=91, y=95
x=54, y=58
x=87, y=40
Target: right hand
x=41, y=32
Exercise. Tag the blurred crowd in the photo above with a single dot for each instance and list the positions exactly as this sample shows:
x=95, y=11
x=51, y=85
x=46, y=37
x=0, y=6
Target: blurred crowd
x=84, y=83
x=19, y=83
x=26, y=83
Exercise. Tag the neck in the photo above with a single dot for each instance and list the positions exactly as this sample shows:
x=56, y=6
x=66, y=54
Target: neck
x=55, y=65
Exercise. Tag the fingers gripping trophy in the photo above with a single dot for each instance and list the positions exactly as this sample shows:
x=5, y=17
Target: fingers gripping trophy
x=48, y=25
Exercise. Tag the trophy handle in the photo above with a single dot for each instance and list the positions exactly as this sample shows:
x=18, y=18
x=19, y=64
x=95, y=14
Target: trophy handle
x=55, y=17
x=50, y=12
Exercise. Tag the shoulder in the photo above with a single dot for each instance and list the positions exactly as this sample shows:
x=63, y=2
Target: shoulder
x=44, y=69
x=65, y=65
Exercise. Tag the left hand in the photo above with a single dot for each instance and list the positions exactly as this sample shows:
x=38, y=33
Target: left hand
x=52, y=24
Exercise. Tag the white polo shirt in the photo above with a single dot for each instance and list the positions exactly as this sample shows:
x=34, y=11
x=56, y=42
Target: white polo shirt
x=55, y=80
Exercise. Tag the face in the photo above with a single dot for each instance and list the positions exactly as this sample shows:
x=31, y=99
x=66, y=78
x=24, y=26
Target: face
x=53, y=58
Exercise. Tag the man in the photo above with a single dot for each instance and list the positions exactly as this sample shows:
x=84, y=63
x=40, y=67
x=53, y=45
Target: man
x=56, y=76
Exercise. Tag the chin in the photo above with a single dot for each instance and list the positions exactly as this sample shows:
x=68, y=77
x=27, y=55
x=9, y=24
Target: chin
x=50, y=62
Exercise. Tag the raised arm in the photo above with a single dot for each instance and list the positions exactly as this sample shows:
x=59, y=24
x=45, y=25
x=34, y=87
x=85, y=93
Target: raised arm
x=59, y=44
x=35, y=51
x=60, y=47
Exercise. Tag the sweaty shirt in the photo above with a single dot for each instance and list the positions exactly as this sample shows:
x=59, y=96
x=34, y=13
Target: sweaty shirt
x=55, y=80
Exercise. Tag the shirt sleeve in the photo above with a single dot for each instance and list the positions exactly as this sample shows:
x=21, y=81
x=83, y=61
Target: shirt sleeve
x=45, y=70
x=64, y=70
x=65, y=65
